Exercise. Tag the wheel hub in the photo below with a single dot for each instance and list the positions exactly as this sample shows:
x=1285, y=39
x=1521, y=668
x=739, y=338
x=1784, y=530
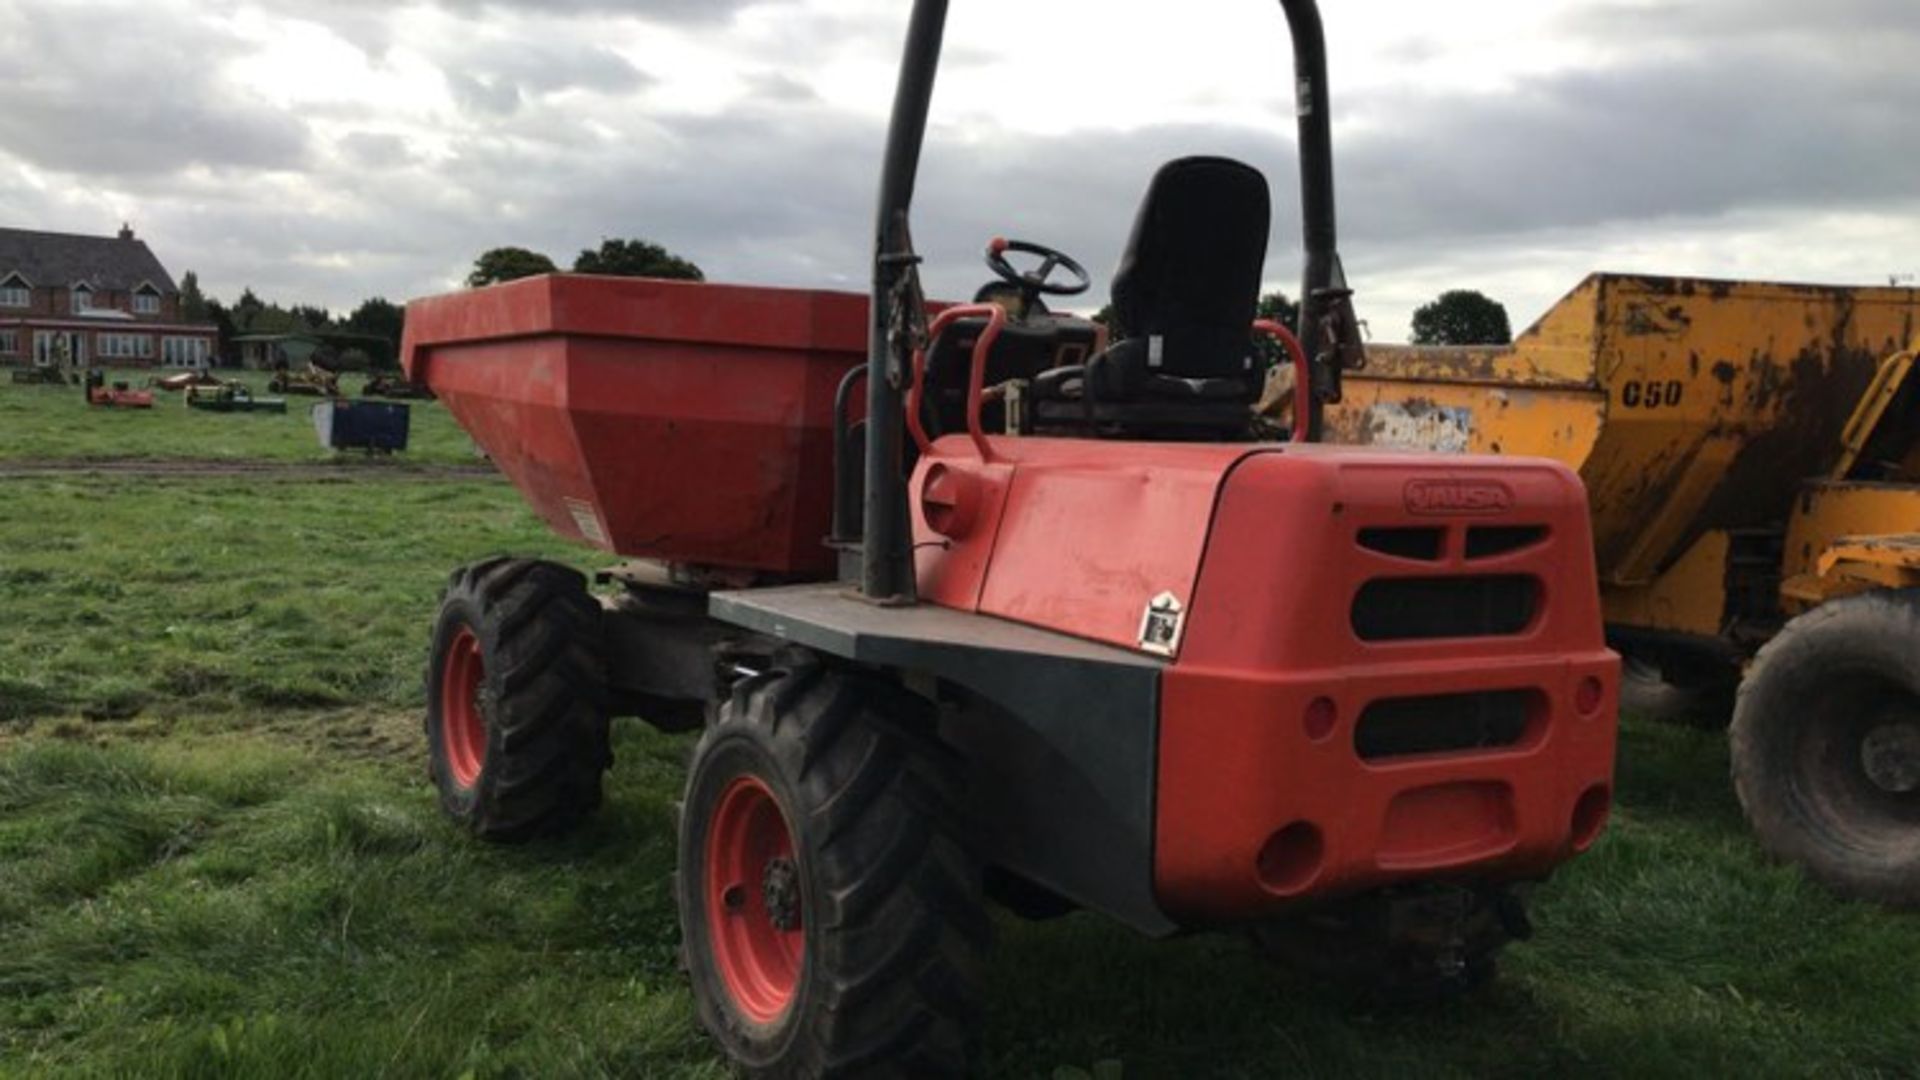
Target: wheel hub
x=780, y=887
x=1890, y=756
x=755, y=906
x=463, y=708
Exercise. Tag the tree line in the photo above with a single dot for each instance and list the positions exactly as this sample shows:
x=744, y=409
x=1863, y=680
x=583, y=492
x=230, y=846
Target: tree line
x=382, y=318
x=375, y=316
x=621, y=258
x=1455, y=317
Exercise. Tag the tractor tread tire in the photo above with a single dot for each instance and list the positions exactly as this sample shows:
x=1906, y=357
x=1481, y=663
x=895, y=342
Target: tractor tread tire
x=545, y=684
x=897, y=930
x=1788, y=797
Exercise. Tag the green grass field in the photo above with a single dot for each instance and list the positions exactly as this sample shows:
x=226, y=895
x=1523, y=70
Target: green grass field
x=219, y=856
x=51, y=422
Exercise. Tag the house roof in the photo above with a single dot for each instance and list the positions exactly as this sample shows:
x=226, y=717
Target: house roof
x=115, y=263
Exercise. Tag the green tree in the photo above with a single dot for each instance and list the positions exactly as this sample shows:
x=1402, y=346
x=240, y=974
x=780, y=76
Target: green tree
x=310, y=317
x=1462, y=317
x=1278, y=307
x=508, y=264
x=636, y=258
x=382, y=318
x=247, y=311
x=193, y=303
x=219, y=316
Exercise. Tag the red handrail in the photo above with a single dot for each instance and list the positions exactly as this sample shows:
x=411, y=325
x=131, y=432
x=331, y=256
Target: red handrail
x=1302, y=381
x=996, y=317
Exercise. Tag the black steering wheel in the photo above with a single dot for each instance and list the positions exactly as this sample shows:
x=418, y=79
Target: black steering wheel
x=1036, y=281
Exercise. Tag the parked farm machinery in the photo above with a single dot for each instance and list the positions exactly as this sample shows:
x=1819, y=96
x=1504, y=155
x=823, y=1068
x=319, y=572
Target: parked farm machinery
x=230, y=397
x=312, y=382
x=1753, y=456
x=395, y=387
x=967, y=602
x=40, y=375
x=180, y=382
x=115, y=395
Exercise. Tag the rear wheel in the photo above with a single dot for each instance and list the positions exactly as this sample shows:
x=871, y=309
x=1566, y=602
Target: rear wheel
x=1826, y=745
x=516, y=699
x=831, y=922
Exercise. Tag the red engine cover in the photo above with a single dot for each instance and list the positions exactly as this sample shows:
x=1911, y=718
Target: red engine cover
x=1394, y=668
x=1389, y=666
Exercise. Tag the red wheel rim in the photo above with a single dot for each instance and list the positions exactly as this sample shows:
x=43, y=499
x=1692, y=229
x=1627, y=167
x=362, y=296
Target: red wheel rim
x=754, y=908
x=463, y=730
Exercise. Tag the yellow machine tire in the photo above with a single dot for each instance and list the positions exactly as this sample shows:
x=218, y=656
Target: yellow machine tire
x=1826, y=746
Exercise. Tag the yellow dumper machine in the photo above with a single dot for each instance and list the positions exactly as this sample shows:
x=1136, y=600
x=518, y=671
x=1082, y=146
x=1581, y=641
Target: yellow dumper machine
x=1752, y=452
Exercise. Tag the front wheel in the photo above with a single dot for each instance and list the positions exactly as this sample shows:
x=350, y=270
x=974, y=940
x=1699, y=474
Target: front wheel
x=1826, y=745
x=831, y=922
x=516, y=699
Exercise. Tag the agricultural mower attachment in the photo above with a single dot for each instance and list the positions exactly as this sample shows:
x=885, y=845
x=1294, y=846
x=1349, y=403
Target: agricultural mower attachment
x=1056, y=665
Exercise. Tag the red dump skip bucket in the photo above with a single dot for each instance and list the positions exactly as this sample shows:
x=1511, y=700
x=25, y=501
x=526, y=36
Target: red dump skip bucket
x=660, y=419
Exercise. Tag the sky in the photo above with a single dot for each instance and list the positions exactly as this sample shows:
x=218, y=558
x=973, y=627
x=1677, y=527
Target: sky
x=323, y=151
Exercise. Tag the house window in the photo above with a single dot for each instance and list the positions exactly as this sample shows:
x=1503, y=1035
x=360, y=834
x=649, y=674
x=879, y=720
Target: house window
x=146, y=303
x=9, y=342
x=14, y=294
x=82, y=299
x=126, y=346
x=184, y=352
x=59, y=347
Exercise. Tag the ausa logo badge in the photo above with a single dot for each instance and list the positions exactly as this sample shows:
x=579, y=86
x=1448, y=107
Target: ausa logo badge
x=1436, y=498
x=1160, y=626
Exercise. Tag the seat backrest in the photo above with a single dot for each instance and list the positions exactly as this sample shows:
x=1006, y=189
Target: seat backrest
x=1191, y=272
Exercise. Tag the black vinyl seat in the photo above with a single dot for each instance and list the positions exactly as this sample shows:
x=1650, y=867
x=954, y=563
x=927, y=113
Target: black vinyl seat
x=1185, y=298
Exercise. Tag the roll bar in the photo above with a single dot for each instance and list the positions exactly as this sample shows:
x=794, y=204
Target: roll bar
x=898, y=312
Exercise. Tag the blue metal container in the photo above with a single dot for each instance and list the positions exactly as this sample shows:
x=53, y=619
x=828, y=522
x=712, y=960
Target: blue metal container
x=362, y=425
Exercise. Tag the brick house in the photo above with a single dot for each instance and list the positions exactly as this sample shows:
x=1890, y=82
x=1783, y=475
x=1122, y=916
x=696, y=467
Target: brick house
x=93, y=301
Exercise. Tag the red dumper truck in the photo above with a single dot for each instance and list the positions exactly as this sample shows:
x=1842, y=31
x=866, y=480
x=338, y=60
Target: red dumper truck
x=972, y=602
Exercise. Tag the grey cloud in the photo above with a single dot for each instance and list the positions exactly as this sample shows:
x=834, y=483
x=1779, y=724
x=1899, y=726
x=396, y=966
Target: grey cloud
x=494, y=77
x=483, y=94
x=667, y=11
x=160, y=112
x=1637, y=142
x=773, y=86
x=349, y=16
x=780, y=188
x=1644, y=23
x=546, y=66
x=375, y=150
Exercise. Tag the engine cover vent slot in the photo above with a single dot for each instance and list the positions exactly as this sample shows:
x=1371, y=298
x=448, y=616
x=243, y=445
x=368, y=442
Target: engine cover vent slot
x=1446, y=723
x=1493, y=541
x=1422, y=543
x=1417, y=609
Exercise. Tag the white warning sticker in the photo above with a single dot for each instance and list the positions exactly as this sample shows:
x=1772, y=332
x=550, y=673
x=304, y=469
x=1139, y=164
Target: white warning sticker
x=1160, y=625
x=587, y=520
